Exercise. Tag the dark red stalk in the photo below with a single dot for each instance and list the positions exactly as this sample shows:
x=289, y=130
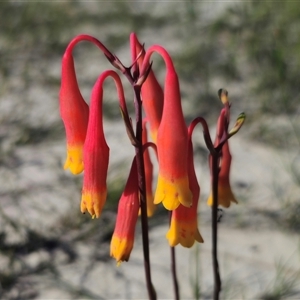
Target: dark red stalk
x=215, y=157
x=141, y=172
x=215, y=177
x=173, y=268
x=88, y=38
x=142, y=191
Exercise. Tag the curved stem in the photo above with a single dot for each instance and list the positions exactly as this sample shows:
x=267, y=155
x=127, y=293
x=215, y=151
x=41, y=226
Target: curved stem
x=111, y=57
x=89, y=38
x=150, y=144
x=141, y=179
x=122, y=101
x=194, y=124
x=206, y=133
x=118, y=84
x=215, y=156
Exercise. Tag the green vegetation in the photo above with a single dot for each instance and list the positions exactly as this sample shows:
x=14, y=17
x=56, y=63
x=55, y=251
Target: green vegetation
x=263, y=36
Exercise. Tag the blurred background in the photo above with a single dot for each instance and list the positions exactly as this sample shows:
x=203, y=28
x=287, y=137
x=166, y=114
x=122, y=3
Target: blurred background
x=48, y=249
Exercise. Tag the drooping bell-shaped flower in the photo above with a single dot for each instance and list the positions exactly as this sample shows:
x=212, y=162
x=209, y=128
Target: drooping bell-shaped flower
x=225, y=195
x=96, y=150
x=151, y=91
x=74, y=113
x=128, y=208
x=151, y=207
x=96, y=156
x=184, y=221
x=172, y=141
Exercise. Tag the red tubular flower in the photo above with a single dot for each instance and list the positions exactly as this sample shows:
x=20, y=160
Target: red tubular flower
x=73, y=109
x=184, y=224
x=96, y=151
x=123, y=236
x=74, y=112
x=151, y=91
x=225, y=195
x=172, y=141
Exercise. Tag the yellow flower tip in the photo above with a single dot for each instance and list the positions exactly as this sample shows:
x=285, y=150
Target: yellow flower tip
x=183, y=233
x=120, y=248
x=74, y=160
x=93, y=203
x=188, y=242
x=225, y=197
x=173, y=192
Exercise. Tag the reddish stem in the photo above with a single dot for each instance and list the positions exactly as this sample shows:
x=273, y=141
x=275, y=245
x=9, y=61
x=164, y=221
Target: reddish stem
x=142, y=191
x=215, y=156
x=174, y=273
x=89, y=38
x=215, y=178
x=118, y=84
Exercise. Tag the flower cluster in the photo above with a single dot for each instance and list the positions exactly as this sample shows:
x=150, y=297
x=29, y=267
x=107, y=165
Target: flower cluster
x=177, y=186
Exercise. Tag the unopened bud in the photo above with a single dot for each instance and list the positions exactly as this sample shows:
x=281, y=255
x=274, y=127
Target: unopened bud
x=116, y=63
x=238, y=124
x=223, y=95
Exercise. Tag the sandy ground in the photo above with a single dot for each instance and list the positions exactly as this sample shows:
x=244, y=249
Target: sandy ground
x=253, y=249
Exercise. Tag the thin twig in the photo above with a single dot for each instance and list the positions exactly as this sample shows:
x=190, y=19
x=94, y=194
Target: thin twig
x=173, y=268
x=141, y=181
x=174, y=273
x=142, y=191
x=215, y=178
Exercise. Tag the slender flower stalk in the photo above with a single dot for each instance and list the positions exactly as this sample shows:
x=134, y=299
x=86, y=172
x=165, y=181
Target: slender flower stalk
x=219, y=156
x=96, y=150
x=172, y=141
x=138, y=144
x=174, y=272
x=215, y=156
x=142, y=191
x=215, y=177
